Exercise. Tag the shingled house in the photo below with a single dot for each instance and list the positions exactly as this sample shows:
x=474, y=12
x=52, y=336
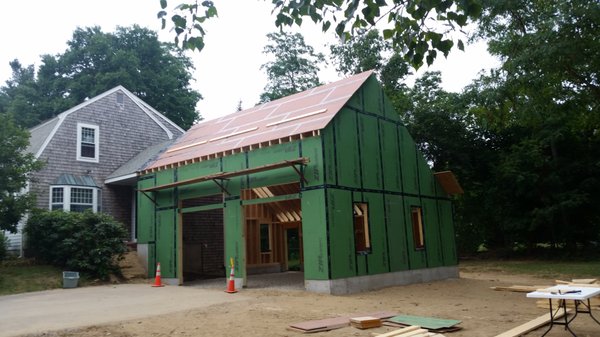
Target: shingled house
x=332, y=166
x=92, y=153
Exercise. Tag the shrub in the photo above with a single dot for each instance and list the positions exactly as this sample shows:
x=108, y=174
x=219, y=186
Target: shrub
x=91, y=243
x=3, y=246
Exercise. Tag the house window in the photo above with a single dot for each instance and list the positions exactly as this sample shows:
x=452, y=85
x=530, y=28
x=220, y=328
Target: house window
x=87, y=142
x=74, y=199
x=362, y=239
x=120, y=100
x=417, y=227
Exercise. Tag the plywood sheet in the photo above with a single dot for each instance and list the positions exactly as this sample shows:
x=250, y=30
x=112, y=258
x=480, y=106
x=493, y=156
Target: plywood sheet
x=425, y=322
x=449, y=183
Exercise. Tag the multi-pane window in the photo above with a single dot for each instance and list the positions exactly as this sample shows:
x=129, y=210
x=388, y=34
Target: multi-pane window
x=74, y=199
x=81, y=199
x=87, y=142
x=57, y=198
x=362, y=238
x=417, y=227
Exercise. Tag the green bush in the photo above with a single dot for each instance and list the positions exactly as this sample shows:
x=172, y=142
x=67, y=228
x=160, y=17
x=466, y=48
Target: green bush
x=91, y=243
x=3, y=246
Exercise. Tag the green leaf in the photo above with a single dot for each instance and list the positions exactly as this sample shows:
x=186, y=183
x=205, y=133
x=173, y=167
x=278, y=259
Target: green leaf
x=161, y=14
x=461, y=45
x=388, y=33
x=163, y=4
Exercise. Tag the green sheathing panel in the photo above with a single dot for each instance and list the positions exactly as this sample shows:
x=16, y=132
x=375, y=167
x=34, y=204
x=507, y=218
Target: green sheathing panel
x=270, y=155
x=388, y=133
x=426, y=180
x=372, y=96
x=417, y=258
x=165, y=243
x=314, y=235
x=235, y=244
x=341, y=234
x=377, y=260
x=166, y=197
x=396, y=231
x=408, y=157
x=390, y=112
x=145, y=213
x=196, y=170
x=431, y=227
x=329, y=153
x=346, y=148
x=370, y=157
x=447, y=232
x=313, y=172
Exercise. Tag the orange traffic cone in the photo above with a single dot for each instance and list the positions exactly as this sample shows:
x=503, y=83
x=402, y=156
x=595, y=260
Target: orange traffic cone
x=157, y=281
x=231, y=283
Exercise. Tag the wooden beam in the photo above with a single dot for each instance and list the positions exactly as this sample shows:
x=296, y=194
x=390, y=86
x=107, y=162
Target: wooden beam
x=531, y=325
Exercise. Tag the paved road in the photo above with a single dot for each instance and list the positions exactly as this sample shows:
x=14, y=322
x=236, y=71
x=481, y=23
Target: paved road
x=70, y=308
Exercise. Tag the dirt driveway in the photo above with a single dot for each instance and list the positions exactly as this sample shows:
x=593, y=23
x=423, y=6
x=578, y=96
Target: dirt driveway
x=266, y=312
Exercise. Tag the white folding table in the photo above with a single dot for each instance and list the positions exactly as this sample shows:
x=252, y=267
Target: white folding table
x=579, y=295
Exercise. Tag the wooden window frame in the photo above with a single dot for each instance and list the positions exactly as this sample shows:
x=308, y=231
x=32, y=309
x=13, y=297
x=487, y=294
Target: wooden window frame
x=416, y=217
x=361, y=228
x=67, y=202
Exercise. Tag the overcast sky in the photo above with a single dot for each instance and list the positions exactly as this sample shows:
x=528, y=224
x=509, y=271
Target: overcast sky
x=227, y=70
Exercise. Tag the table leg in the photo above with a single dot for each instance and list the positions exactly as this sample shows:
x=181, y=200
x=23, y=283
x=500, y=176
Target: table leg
x=551, y=318
x=567, y=321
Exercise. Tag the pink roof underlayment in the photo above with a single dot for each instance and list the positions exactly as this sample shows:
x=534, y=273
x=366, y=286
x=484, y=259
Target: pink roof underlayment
x=282, y=120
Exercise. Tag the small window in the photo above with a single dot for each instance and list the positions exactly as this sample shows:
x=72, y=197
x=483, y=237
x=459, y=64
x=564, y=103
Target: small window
x=417, y=226
x=120, y=98
x=57, y=201
x=87, y=142
x=265, y=239
x=362, y=239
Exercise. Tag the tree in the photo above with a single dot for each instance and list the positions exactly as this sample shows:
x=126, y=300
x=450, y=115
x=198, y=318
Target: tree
x=543, y=103
x=293, y=68
x=95, y=62
x=16, y=167
x=418, y=29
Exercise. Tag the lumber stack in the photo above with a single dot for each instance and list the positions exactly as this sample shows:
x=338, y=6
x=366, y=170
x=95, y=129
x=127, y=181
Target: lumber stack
x=365, y=322
x=409, y=331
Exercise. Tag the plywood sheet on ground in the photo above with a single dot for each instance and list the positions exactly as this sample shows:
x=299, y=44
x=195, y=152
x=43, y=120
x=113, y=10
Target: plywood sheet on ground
x=335, y=322
x=425, y=322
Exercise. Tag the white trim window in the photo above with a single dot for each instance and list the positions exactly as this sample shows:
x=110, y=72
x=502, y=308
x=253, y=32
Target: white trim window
x=74, y=198
x=88, y=142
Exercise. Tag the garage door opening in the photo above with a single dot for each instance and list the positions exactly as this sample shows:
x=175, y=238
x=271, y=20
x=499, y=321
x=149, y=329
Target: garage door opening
x=273, y=230
x=202, y=239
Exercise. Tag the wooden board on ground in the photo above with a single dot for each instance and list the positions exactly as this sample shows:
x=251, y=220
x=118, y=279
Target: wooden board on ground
x=519, y=288
x=404, y=332
x=584, y=280
x=441, y=330
x=365, y=322
x=333, y=323
x=425, y=322
x=531, y=325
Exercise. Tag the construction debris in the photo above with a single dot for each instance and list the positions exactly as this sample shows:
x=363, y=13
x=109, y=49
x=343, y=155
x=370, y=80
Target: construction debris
x=365, y=322
x=334, y=323
x=410, y=331
x=430, y=323
x=531, y=325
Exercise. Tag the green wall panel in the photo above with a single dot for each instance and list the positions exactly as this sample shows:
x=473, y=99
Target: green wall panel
x=348, y=164
x=378, y=258
x=273, y=154
x=370, y=157
x=329, y=153
x=341, y=233
x=447, y=230
x=165, y=242
x=145, y=213
x=408, y=157
x=417, y=258
x=235, y=243
x=390, y=156
x=233, y=163
x=396, y=227
x=390, y=112
x=426, y=179
x=313, y=172
x=314, y=235
x=431, y=226
x=356, y=100
x=199, y=169
x=164, y=198
x=371, y=91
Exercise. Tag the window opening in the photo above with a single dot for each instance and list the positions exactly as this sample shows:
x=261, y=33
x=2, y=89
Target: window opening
x=120, y=98
x=87, y=142
x=362, y=239
x=417, y=226
x=74, y=199
x=81, y=199
x=57, y=201
x=265, y=240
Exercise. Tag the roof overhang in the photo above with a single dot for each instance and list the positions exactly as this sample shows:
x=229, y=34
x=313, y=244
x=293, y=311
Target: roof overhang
x=127, y=179
x=449, y=183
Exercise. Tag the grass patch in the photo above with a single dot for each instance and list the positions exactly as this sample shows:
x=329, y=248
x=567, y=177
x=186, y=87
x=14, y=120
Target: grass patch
x=547, y=269
x=20, y=276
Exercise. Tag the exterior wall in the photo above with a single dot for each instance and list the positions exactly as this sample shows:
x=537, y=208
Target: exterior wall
x=380, y=165
x=124, y=131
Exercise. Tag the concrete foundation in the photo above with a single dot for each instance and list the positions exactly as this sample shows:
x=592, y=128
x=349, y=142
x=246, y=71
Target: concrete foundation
x=370, y=282
x=142, y=253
